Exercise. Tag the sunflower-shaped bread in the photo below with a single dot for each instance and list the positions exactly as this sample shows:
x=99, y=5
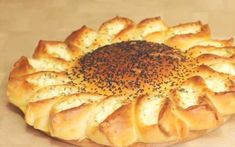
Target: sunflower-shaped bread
x=127, y=84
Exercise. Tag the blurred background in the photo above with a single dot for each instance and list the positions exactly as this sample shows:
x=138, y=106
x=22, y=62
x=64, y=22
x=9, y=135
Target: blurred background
x=24, y=22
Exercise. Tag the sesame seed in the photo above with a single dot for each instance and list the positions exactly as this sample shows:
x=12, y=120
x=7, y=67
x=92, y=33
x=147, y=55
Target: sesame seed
x=133, y=68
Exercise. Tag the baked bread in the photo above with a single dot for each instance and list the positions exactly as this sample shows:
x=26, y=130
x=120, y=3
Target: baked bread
x=127, y=84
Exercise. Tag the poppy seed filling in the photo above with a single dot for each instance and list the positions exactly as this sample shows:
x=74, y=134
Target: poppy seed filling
x=136, y=67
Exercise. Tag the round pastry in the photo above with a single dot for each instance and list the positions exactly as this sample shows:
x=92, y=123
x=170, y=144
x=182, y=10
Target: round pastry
x=127, y=84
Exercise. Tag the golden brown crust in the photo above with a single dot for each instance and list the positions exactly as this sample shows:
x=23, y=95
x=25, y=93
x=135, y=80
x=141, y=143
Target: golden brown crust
x=82, y=38
x=192, y=135
x=22, y=67
x=199, y=50
x=52, y=49
x=108, y=27
x=119, y=127
x=42, y=86
x=162, y=36
x=186, y=41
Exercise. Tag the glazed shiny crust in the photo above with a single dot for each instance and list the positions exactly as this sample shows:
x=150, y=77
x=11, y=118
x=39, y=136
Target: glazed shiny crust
x=41, y=88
